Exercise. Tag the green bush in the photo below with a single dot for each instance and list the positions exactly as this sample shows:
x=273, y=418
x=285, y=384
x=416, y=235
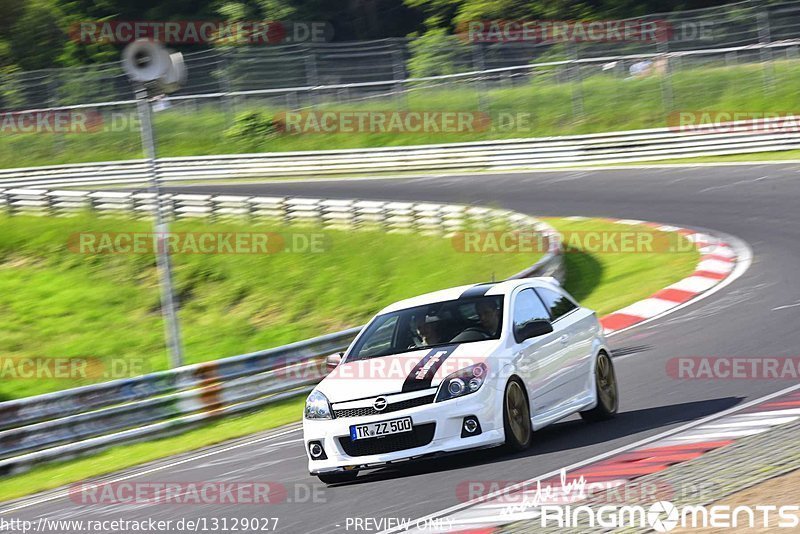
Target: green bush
x=252, y=128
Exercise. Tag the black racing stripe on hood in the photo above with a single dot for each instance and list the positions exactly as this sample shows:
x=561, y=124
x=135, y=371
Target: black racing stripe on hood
x=478, y=290
x=421, y=375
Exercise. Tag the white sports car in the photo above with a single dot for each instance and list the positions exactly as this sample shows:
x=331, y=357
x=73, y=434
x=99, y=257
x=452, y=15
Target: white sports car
x=467, y=367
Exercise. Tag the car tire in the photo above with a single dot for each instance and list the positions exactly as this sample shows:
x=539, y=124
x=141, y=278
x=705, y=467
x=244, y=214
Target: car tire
x=516, y=416
x=337, y=478
x=605, y=383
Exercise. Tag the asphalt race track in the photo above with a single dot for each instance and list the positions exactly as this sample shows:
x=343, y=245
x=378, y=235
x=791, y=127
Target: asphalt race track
x=757, y=315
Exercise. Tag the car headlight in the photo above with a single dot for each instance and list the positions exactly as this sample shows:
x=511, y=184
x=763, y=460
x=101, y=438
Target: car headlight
x=463, y=382
x=317, y=406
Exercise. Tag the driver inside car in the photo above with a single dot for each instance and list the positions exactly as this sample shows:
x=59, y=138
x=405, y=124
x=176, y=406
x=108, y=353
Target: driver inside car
x=489, y=317
x=426, y=331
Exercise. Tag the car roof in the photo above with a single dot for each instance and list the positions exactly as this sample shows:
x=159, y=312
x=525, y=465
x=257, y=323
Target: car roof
x=466, y=291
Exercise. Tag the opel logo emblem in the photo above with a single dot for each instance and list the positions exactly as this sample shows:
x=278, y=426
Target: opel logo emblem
x=379, y=404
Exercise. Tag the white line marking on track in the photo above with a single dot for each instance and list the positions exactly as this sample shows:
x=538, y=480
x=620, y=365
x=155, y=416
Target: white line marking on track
x=787, y=306
x=65, y=493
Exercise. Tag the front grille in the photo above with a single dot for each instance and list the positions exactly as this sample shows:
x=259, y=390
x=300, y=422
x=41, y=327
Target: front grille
x=419, y=436
x=392, y=407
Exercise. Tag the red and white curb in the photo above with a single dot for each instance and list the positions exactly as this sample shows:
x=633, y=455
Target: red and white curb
x=509, y=506
x=718, y=261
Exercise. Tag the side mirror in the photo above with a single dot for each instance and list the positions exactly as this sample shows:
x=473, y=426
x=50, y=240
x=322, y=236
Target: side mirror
x=333, y=361
x=532, y=329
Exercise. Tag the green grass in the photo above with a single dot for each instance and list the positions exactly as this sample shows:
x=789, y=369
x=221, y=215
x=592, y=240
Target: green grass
x=55, y=303
x=605, y=282
x=609, y=103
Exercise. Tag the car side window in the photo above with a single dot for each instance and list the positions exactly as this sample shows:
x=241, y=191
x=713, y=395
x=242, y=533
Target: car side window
x=557, y=303
x=528, y=307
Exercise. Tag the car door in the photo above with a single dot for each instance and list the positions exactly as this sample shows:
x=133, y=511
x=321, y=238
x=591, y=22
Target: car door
x=577, y=327
x=539, y=361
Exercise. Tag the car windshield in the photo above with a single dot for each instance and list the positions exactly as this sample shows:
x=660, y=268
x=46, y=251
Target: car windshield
x=442, y=323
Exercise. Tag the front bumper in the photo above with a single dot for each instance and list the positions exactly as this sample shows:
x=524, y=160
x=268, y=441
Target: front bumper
x=447, y=417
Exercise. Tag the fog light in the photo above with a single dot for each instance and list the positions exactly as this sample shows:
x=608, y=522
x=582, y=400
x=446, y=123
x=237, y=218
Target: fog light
x=316, y=451
x=470, y=427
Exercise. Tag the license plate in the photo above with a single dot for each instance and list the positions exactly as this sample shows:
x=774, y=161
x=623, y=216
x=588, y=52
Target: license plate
x=383, y=428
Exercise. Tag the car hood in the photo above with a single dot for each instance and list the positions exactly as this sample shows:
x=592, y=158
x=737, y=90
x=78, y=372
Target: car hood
x=401, y=373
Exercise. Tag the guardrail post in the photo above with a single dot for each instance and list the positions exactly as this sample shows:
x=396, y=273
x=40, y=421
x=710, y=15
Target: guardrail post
x=50, y=205
x=284, y=206
x=213, y=205
x=91, y=204
x=250, y=210
x=6, y=199
x=384, y=218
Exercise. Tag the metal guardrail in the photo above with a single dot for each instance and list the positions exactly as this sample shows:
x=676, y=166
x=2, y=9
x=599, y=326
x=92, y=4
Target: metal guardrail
x=535, y=153
x=71, y=422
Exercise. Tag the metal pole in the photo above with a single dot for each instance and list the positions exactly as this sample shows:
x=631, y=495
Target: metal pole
x=168, y=302
x=764, y=38
x=312, y=78
x=663, y=70
x=228, y=102
x=575, y=81
x=399, y=73
x=479, y=64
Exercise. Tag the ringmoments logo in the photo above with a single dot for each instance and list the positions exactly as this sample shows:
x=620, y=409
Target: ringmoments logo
x=664, y=516
x=556, y=505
